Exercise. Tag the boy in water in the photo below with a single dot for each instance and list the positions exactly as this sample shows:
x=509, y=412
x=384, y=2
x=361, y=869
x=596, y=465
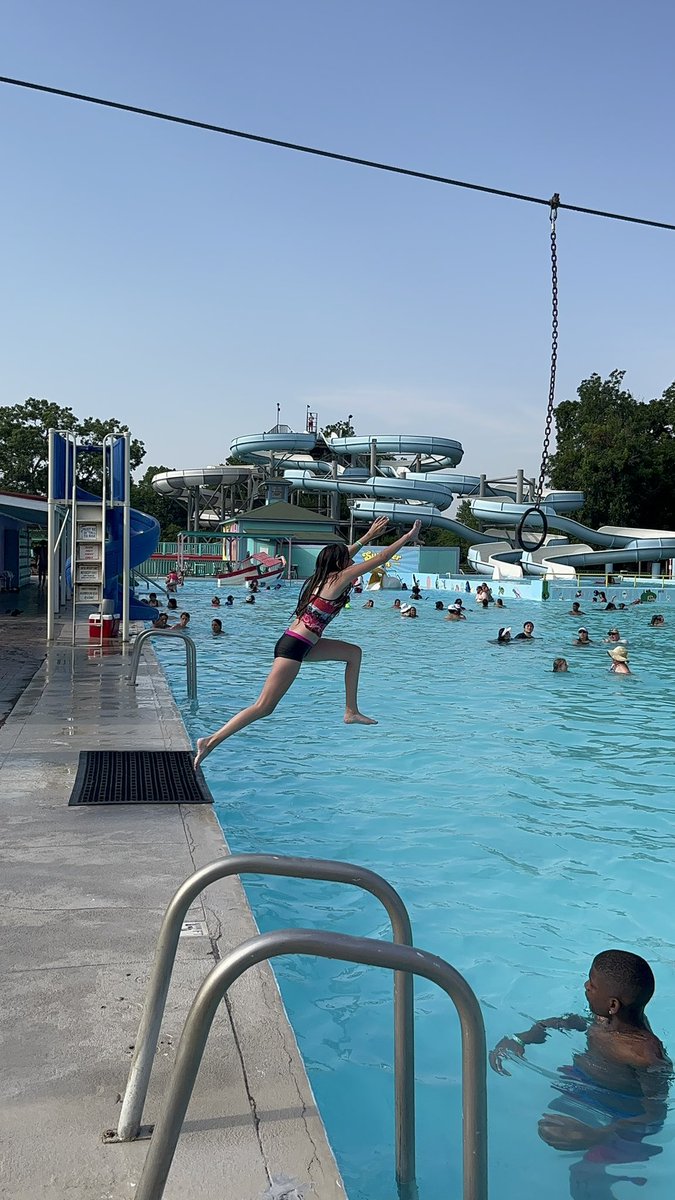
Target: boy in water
x=623, y=1074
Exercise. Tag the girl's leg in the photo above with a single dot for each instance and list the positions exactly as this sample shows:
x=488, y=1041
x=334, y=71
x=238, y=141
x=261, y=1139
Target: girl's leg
x=280, y=678
x=331, y=650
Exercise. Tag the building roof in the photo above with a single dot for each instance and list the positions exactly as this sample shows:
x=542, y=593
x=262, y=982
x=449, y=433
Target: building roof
x=282, y=511
x=284, y=520
x=23, y=508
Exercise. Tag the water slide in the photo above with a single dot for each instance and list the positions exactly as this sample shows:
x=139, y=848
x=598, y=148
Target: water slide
x=179, y=483
x=395, y=491
x=143, y=541
x=556, y=558
x=314, y=463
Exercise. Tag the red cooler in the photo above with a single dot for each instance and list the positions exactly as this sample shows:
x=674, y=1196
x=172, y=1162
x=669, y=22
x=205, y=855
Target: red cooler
x=111, y=625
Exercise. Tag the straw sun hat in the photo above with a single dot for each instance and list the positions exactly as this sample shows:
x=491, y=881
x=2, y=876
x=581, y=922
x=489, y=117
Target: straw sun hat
x=619, y=654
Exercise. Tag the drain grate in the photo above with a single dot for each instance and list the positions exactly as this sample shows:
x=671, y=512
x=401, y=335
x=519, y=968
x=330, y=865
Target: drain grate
x=138, y=777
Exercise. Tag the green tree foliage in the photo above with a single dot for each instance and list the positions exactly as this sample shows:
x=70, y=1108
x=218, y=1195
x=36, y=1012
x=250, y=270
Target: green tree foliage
x=170, y=513
x=619, y=451
x=339, y=429
x=92, y=431
x=24, y=444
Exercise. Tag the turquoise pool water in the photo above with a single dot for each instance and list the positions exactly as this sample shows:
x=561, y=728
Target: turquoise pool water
x=527, y=820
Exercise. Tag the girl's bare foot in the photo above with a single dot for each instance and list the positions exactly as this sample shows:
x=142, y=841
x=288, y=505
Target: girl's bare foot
x=354, y=718
x=202, y=750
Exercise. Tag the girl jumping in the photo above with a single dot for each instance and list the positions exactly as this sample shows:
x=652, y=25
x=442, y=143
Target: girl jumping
x=321, y=599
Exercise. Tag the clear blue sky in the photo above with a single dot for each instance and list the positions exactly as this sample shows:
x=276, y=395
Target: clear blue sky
x=186, y=282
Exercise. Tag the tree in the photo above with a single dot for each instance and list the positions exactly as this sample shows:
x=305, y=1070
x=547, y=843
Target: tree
x=619, y=451
x=339, y=429
x=24, y=444
x=169, y=511
x=93, y=431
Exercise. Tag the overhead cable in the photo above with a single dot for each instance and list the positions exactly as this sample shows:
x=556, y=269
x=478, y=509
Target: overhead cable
x=372, y=164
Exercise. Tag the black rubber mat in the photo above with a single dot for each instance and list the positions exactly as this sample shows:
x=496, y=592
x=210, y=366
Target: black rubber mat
x=138, y=777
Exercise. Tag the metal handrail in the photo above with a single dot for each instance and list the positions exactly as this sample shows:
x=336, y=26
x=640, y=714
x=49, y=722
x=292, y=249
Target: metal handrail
x=346, y=949
x=131, y=1113
x=190, y=656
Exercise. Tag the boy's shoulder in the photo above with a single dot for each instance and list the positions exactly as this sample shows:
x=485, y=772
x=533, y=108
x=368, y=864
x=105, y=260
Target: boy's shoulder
x=642, y=1050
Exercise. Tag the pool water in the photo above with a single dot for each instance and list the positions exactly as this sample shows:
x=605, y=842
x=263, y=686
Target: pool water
x=525, y=817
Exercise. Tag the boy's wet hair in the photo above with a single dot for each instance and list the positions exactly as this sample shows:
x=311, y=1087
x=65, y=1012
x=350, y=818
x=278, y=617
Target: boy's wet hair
x=627, y=973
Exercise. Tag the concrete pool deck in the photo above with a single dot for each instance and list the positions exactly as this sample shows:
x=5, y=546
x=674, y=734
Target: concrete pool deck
x=82, y=894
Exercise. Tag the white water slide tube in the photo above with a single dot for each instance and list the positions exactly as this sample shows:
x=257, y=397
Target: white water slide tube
x=179, y=483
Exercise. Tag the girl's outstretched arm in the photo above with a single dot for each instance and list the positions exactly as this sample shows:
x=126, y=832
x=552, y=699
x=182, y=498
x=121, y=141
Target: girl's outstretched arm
x=352, y=572
x=375, y=530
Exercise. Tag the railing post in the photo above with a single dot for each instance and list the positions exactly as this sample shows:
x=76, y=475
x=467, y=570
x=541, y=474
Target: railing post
x=345, y=949
x=131, y=1113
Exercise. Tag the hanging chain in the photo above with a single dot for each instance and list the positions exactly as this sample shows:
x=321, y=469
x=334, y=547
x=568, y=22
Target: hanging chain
x=555, y=201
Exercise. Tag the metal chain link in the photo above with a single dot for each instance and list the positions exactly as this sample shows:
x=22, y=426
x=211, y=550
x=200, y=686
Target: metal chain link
x=555, y=201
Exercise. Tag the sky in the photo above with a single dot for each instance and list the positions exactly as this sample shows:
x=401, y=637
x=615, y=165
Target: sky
x=187, y=283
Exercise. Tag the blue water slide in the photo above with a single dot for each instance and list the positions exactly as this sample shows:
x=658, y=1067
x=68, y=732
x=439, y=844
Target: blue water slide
x=578, y=557
x=608, y=537
x=407, y=514
x=466, y=485
x=257, y=447
x=440, y=452
x=631, y=545
x=411, y=488
x=143, y=541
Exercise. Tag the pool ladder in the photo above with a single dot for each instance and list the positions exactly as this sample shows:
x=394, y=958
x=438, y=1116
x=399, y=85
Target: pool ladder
x=190, y=656
x=399, y=956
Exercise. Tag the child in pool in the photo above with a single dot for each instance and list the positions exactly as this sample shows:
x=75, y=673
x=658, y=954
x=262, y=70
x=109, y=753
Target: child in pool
x=624, y=1070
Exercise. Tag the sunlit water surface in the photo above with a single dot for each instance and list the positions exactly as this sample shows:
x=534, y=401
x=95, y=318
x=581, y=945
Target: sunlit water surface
x=525, y=817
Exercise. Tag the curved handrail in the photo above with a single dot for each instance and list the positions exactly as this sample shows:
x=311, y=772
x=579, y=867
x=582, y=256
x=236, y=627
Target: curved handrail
x=190, y=656
x=131, y=1113
x=346, y=949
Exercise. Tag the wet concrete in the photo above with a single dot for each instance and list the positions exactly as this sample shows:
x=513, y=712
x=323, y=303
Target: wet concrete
x=82, y=893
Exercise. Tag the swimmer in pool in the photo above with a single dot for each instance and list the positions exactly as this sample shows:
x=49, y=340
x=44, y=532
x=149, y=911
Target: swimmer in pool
x=369, y=604
x=325, y=593
x=582, y=638
x=526, y=635
x=456, y=612
x=560, y=665
x=619, y=657
x=619, y=1082
x=575, y=610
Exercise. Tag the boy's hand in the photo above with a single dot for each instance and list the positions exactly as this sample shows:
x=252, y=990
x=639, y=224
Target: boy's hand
x=415, y=530
x=504, y=1047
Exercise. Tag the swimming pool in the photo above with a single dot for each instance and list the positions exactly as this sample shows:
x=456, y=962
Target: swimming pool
x=525, y=817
